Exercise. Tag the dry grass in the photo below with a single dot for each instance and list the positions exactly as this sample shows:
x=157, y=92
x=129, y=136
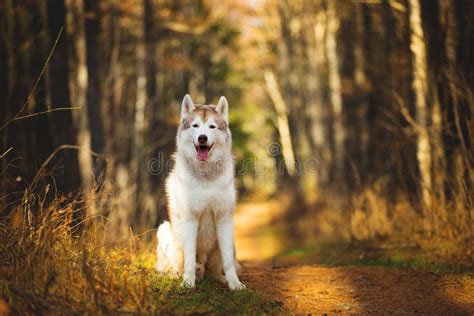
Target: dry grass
x=370, y=229
x=51, y=264
x=373, y=216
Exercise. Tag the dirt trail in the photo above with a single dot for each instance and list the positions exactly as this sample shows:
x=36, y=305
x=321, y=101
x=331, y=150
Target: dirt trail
x=318, y=289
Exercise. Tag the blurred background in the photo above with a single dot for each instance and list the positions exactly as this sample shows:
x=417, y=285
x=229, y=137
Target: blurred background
x=352, y=120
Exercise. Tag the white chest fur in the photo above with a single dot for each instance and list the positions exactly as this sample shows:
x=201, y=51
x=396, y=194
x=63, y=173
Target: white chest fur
x=191, y=196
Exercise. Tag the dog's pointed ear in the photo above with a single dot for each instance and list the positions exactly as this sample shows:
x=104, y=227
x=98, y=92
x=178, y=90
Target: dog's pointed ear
x=223, y=107
x=186, y=106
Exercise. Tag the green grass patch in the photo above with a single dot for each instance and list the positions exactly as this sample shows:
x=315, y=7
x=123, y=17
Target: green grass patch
x=366, y=254
x=209, y=297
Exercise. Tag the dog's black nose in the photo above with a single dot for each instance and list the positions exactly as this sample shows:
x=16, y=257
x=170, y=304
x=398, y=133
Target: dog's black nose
x=202, y=139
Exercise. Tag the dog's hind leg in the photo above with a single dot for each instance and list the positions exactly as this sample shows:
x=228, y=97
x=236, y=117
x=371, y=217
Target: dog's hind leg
x=200, y=269
x=201, y=260
x=214, y=267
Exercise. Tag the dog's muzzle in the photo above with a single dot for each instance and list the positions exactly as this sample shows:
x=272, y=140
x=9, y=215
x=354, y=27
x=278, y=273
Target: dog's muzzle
x=202, y=149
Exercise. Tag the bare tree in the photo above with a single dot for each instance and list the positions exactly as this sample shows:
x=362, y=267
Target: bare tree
x=78, y=79
x=99, y=59
x=360, y=80
x=338, y=128
x=144, y=201
x=314, y=28
x=282, y=121
x=8, y=72
x=453, y=151
x=420, y=89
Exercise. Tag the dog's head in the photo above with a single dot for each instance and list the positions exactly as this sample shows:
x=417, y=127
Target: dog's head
x=204, y=130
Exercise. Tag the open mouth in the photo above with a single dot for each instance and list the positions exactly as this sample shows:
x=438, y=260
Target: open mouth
x=203, y=151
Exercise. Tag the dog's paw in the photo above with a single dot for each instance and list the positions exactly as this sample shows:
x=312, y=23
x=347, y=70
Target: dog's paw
x=187, y=285
x=199, y=271
x=188, y=282
x=222, y=279
x=236, y=285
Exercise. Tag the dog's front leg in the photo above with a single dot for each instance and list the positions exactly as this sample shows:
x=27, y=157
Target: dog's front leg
x=189, y=233
x=225, y=236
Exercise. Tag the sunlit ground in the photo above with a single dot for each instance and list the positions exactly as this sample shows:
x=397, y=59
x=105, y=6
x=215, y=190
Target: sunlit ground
x=322, y=277
x=256, y=230
x=266, y=229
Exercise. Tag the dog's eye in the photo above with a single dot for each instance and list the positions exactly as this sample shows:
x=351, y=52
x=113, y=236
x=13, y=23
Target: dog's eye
x=195, y=125
x=212, y=126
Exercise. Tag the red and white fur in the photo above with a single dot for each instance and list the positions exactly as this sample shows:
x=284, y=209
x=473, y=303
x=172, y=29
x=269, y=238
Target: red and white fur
x=199, y=238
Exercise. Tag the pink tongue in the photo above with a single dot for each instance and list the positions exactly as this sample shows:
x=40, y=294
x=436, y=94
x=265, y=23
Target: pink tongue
x=203, y=153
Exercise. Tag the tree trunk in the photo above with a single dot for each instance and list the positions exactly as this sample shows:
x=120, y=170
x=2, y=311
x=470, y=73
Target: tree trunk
x=98, y=60
x=43, y=144
x=360, y=80
x=334, y=79
x=323, y=124
x=61, y=122
x=314, y=110
x=78, y=79
x=7, y=75
x=291, y=71
x=420, y=89
x=282, y=121
x=459, y=171
x=453, y=150
x=44, y=47
x=435, y=64
x=150, y=57
x=146, y=212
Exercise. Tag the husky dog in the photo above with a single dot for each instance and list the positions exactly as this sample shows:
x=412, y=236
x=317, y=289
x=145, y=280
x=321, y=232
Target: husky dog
x=199, y=238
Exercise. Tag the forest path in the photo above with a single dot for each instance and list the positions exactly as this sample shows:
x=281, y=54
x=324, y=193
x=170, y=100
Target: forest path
x=322, y=289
